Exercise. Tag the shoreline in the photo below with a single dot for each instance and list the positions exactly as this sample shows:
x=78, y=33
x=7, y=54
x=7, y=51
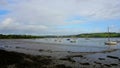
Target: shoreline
x=72, y=60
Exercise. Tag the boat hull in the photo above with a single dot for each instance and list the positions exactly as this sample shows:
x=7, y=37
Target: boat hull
x=110, y=43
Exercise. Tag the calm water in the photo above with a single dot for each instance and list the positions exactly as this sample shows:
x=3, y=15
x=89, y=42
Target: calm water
x=61, y=44
x=81, y=44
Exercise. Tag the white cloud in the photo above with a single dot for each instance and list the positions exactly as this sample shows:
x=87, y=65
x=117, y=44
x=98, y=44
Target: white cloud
x=45, y=15
x=54, y=12
x=7, y=22
x=11, y=25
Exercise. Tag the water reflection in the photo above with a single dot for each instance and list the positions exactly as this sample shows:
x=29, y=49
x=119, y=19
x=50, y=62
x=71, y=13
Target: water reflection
x=110, y=47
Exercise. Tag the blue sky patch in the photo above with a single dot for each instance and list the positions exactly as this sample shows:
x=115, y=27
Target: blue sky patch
x=4, y=12
x=73, y=18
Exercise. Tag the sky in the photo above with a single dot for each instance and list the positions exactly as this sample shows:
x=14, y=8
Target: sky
x=59, y=17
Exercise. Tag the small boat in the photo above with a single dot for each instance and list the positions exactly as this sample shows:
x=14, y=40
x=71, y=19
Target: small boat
x=109, y=42
x=68, y=39
x=73, y=41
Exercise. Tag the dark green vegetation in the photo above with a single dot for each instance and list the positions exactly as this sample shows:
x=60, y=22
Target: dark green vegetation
x=86, y=35
x=18, y=36
x=97, y=35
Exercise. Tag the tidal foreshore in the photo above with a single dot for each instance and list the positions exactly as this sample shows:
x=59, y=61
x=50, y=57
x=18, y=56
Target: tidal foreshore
x=23, y=53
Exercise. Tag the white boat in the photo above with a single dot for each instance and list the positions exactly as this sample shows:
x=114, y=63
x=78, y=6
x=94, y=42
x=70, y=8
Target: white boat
x=73, y=39
x=109, y=42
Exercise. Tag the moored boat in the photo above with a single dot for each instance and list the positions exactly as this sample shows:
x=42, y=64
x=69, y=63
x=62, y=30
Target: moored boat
x=111, y=43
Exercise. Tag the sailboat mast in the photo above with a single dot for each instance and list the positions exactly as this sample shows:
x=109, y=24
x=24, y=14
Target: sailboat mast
x=108, y=33
x=109, y=42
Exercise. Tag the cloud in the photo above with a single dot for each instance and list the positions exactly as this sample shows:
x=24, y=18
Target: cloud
x=10, y=25
x=46, y=15
x=3, y=2
x=55, y=12
x=7, y=22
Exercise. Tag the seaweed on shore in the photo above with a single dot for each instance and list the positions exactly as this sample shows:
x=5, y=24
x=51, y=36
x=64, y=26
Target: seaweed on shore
x=20, y=60
x=8, y=58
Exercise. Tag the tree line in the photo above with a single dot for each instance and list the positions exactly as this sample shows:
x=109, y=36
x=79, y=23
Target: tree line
x=85, y=35
x=98, y=35
x=18, y=36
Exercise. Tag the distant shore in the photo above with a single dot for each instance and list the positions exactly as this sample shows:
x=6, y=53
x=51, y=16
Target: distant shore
x=85, y=35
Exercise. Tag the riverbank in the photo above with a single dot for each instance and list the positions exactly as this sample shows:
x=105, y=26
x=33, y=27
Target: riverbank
x=9, y=59
x=20, y=60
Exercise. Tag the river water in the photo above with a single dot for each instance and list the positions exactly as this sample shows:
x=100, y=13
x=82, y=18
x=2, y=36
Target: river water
x=61, y=44
x=80, y=44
